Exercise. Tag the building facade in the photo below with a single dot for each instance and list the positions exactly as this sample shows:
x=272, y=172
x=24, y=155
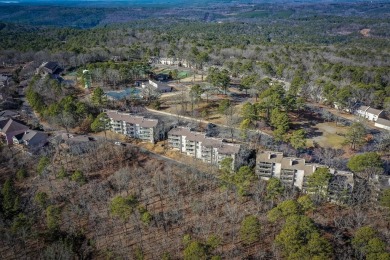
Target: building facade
x=133, y=126
x=369, y=113
x=208, y=149
x=294, y=171
x=158, y=86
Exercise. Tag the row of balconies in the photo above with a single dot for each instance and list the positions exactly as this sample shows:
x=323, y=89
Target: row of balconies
x=264, y=165
x=174, y=144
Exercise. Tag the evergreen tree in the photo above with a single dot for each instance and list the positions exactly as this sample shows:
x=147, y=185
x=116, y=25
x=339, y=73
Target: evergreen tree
x=250, y=230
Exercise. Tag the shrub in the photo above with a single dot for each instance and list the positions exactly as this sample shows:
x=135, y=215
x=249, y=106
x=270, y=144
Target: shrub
x=250, y=230
x=41, y=198
x=21, y=174
x=79, y=177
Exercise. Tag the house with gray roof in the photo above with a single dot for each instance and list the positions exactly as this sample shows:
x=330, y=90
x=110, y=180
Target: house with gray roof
x=49, y=68
x=369, y=113
x=199, y=145
x=135, y=126
x=10, y=129
x=31, y=139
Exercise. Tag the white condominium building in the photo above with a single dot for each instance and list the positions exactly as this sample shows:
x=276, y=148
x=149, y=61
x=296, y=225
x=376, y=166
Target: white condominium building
x=134, y=126
x=198, y=145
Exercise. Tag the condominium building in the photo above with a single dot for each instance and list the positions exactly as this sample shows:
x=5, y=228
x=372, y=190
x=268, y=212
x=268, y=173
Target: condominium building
x=294, y=171
x=135, y=126
x=198, y=145
x=289, y=170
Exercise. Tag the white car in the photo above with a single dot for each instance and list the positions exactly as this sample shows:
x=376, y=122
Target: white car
x=119, y=143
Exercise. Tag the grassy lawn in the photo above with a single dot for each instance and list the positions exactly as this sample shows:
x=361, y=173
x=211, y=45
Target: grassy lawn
x=331, y=135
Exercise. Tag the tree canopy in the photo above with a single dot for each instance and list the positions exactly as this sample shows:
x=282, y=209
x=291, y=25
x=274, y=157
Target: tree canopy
x=362, y=162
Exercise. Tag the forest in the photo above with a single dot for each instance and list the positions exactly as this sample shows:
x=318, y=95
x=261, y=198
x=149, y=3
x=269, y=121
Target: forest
x=95, y=199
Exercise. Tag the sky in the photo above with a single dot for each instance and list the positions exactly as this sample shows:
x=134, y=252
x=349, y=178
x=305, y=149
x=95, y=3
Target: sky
x=158, y=2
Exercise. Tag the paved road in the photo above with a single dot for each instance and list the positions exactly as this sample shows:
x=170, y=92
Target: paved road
x=202, y=121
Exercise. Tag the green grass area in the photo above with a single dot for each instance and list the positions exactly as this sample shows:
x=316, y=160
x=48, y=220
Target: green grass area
x=184, y=74
x=332, y=135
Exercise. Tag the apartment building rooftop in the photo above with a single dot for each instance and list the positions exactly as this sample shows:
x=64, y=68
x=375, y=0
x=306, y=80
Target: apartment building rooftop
x=132, y=119
x=227, y=148
x=270, y=156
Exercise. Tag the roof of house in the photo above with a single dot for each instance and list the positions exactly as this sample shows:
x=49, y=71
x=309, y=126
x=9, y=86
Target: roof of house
x=32, y=138
x=370, y=110
x=382, y=121
x=374, y=111
x=3, y=122
x=51, y=67
x=132, y=119
x=8, y=113
x=363, y=108
x=13, y=126
x=31, y=135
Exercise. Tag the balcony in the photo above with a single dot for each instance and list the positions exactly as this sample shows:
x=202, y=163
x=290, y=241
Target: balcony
x=206, y=156
x=264, y=167
x=264, y=174
x=206, y=150
x=174, y=144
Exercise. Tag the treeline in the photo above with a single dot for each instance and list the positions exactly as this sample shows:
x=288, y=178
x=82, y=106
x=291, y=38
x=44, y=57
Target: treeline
x=58, y=104
x=113, y=73
x=311, y=57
